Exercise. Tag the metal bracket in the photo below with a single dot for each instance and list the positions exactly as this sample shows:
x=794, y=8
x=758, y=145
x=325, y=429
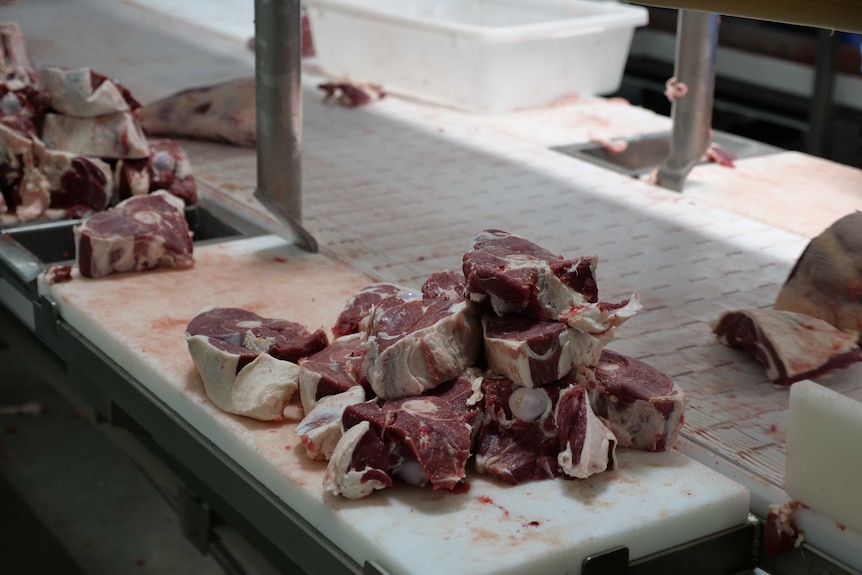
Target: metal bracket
x=195, y=519
x=611, y=562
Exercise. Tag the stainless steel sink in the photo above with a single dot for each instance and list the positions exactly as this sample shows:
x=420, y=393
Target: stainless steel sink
x=644, y=153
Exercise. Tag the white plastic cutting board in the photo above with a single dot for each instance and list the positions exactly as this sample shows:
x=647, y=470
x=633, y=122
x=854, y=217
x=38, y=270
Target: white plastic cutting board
x=654, y=501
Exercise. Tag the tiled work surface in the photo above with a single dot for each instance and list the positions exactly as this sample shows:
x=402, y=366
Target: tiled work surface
x=398, y=190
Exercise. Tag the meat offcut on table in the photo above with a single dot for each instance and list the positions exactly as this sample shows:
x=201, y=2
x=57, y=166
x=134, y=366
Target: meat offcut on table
x=499, y=367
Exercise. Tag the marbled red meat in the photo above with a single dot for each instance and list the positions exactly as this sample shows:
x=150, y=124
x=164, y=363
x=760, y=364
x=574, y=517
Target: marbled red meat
x=515, y=449
x=534, y=352
x=140, y=233
x=514, y=275
x=417, y=345
x=640, y=404
x=448, y=284
x=421, y=439
x=357, y=312
x=332, y=370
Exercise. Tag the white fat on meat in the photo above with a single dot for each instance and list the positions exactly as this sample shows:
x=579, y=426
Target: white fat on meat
x=72, y=93
x=601, y=317
x=339, y=478
x=261, y=389
x=537, y=352
x=792, y=346
x=112, y=136
x=321, y=429
x=589, y=447
x=221, y=113
x=553, y=295
x=35, y=194
x=401, y=364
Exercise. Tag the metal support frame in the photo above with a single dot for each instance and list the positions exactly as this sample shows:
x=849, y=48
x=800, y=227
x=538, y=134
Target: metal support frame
x=696, y=41
x=278, y=532
x=278, y=54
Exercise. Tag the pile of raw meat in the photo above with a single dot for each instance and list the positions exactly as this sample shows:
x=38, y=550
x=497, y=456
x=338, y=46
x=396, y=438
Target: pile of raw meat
x=503, y=365
x=71, y=144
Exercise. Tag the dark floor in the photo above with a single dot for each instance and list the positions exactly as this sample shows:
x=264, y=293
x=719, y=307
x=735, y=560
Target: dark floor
x=70, y=501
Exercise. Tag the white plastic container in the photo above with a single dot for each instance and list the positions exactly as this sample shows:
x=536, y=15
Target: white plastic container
x=479, y=55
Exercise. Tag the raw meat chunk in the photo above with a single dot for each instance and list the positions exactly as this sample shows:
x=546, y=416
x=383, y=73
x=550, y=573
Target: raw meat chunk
x=826, y=282
x=320, y=429
x=588, y=446
x=534, y=352
x=332, y=370
x=112, y=136
x=351, y=95
x=76, y=180
x=247, y=362
x=83, y=93
x=517, y=448
x=422, y=439
x=355, y=315
x=140, y=233
x=417, y=345
x=640, y=404
x=221, y=113
x=792, y=346
x=167, y=168
x=25, y=102
x=514, y=275
x=15, y=66
x=359, y=464
x=18, y=148
x=449, y=284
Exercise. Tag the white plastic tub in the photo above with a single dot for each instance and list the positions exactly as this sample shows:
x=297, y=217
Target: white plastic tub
x=479, y=55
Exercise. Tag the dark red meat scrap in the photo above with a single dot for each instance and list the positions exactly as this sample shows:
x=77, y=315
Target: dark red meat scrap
x=332, y=370
x=356, y=313
x=639, y=403
x=513, y=274
x=421, y=439
x=448, y=284
x=517, y=449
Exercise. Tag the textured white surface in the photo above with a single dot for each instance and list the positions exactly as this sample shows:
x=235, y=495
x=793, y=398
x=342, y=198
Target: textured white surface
x=824, y=460
x=651, y=502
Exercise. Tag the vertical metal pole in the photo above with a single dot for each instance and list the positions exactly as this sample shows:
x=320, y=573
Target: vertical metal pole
x=279, y=113
x=696, y=41
x=820, y=109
